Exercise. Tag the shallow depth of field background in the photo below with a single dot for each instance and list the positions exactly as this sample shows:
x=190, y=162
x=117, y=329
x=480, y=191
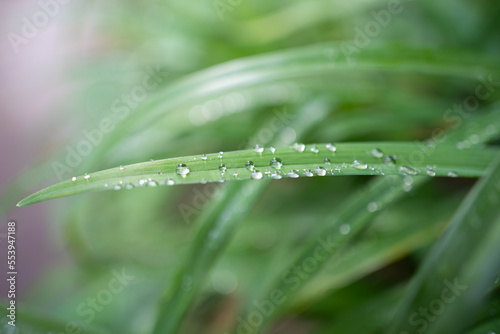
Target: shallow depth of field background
x=67, y=77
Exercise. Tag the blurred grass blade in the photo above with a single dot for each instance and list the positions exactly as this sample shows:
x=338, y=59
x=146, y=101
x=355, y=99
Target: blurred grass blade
x=292, y=65
x=445, y=294
x=332, y=238
x=379, y=158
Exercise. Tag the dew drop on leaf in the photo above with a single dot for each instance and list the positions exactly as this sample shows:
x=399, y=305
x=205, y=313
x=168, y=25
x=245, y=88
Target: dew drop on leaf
x=315, y=150
x=407, y=170
x=258, y=149
x=152, y=183
x=331, y=147
x=86, y=176
x=182, y=170
x=276, y=176
x=359, y=164
x=249, y=165
x=377, y=153
x=292, y=174
x=257, y=175
x=320, y=171
x=299, y=147
x=430, y=172
x=390, y=160
x=276, y=163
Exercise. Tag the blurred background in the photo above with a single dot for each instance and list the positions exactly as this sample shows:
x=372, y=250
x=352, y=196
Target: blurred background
x=84, y=87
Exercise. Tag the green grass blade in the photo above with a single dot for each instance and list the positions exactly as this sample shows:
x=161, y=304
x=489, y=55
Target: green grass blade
x=300, y=161
x=445, y=294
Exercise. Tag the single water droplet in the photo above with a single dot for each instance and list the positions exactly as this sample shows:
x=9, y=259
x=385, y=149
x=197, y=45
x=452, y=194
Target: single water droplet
x=86, y=176
x=359, y=164
x=73, y=178
x=452, y=174
x=377, y=153
x=276, y=163
x=430, y=172
x=129, y=186
x=235, y=174
x=142, y=182
x=309, y=173
x=299, y=147
x=272, y=149
x=105, y=185
x=407, y=170
x=220, y=155
x=390, y=160
x=152, y=183
x=314, y=149
x=292, y=174
x=182, y=170
x=320, y=171
x=258, y=149
x=345, y=229
x=170, y=182
x=276, y=176
x=117, y=187
x=249, y=165
x=222, y=168
x=121, y=168
x=257, y=175
x=327, y=161
x=204, y=157
x=331, y=147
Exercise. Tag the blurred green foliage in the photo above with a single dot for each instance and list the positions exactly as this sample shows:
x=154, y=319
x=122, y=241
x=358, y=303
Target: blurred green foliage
x=157, y=235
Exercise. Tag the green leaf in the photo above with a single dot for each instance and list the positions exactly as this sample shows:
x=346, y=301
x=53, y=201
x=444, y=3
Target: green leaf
x=285, y=162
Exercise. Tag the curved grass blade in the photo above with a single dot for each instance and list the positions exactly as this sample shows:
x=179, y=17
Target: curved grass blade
x=445, y=295
x=285, y=162
x=290, y=65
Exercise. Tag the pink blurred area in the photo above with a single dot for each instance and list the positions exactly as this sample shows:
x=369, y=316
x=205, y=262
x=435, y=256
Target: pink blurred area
x=34, y=92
